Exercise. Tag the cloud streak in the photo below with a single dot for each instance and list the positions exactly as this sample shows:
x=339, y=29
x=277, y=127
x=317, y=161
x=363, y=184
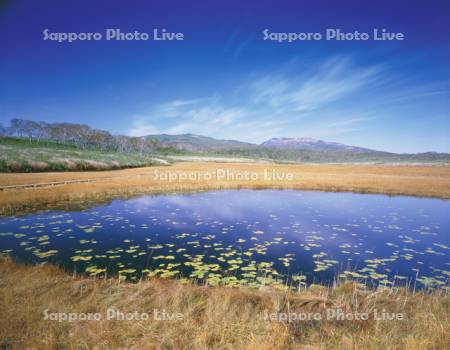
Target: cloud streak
x=331, y=81
x=330, y=98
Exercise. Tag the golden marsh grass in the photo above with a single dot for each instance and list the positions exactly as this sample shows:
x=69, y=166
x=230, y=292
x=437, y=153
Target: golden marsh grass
x=428, y=181
x=212, y=317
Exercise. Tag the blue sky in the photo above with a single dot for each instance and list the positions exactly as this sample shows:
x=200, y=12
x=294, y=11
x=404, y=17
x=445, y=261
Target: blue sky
x=224, y=80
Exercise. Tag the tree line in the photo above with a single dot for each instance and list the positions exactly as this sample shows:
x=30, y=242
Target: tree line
x=80, y=135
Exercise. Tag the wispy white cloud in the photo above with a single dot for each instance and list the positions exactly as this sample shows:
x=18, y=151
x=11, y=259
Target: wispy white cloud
x=140, y=126
x=210, y=119
x=172, y=108
x=331, y=125
x=207, y=119
x=315, y=88
x=349, y=121
x=331, y=98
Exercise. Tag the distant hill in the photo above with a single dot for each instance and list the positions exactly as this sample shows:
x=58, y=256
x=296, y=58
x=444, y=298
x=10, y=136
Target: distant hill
x=310, y=144
x=192, y=142
x=290, y=150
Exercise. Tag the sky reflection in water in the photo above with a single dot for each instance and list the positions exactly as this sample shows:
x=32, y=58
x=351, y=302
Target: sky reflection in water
x=245, y=237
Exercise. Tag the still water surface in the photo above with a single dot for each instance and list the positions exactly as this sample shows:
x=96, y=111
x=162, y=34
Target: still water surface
x=245, y=237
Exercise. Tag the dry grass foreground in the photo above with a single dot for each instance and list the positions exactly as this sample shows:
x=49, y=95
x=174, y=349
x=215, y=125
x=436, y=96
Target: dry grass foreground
x=209, y=317
x=430, y=181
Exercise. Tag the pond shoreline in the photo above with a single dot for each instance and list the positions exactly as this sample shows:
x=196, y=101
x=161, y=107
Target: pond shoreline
x=211, y=316
x=41, y=189
x=249, y=237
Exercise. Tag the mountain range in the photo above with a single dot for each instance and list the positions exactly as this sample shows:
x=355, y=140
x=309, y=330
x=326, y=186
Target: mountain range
x=290, y=149
x=192, y=142
x=310, y=144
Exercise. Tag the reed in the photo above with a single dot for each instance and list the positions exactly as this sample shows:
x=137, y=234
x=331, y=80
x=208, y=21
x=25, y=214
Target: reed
x=428, y=181
x=211, y=317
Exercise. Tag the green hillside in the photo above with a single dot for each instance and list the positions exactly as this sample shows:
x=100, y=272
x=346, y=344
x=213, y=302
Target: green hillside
x=22, y=155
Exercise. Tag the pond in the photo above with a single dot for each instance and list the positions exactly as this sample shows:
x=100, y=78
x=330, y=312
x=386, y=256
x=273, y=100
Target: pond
x=249, y=237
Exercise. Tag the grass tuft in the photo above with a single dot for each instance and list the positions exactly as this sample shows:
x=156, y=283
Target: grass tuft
x=212, y=317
